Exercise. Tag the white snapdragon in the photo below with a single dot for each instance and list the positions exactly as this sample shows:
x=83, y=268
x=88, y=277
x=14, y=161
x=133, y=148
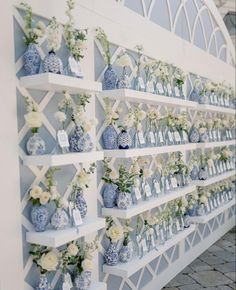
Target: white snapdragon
x=60, y=116
x=33, y=119
x=123, y=60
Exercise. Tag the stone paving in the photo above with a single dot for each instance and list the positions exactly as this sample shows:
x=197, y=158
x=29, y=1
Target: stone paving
x=214, y=269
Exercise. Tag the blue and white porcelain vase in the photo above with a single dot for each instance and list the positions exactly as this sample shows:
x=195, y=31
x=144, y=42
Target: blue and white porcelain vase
x=81, y=204
x=109, y=195
x=123, y=81
x=203, y=174
x=194, y=173
x=110, y=78
x=60, y=219
x=111, y=255
x=109, y=138
x=201, y=210
x=203, y=137
x=43, y=283
x=124, y=140
x=124, y=200
x=35, y=145
x=194, y=135
x=39, y=217
x=194, y=96
x=52, y=63
x=193, y=210
x=80, y=141
x=126, y=253
x=203, y=99
x=31, y=60
x=83, y=280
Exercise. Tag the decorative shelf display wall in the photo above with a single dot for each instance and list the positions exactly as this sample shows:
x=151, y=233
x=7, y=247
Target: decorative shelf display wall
x=214, y=179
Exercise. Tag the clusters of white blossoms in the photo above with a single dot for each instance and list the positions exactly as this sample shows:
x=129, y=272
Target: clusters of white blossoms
x=37, y=193
x=54, y=35
x=123, y=59
x=49, y=261
x=115, y=233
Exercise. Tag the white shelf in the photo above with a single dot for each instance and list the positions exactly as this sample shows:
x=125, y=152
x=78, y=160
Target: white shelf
x=97, y=286
x=144, y=97
x=59, y=83
x=215, y=144
x=57, y=238
x=216, y=109
x=128, y=153
x=205, y=218
x=128, y=269
x=62, y=159
x=214, y=179
x=147, y=205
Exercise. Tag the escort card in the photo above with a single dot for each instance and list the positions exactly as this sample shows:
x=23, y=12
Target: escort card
x=152, y=137
x=177, y=225
x=150, y=87
x=177, y=93
x=177, y=136
x=63, y=138
x=68, y=279
x=141, y=138
x=160, y=137
x=144, y=245
x=167, y=185
x=77, y=217
x=157, y=187
x=185, y=136
x=65, y=286
x=160, y=88
x=170, y=136
x=173, y=182
x=169, y=89
x=147, y=190
x=137, y=193
x=141, y=83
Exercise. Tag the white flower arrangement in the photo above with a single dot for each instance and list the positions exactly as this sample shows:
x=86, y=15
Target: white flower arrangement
x=162, y=72
x=113, y=232
x=54, y=35
x=123, y=59
x=181, y=122
x=138, y=116
x=32, y=35
x=83, y=178
x=197, y=83
x=179, y=77
x=33, y=118
x=39, y=197
x=111, y=116
x=102, y=38
x=209, y=86
x=150, y=67
x=203, y=200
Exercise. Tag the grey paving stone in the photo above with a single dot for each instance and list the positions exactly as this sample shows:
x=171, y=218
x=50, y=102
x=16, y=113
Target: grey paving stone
x=210, y=278
x=226, y=267
x=171, y=288
x=181, y=280
x=224, y=243
x=225, y=255
x=231, y=249
x=199, y=265
x=212, y=260
x=214, y=248
x=233, y=286
x=225, y=287
x=231, y=275
x=187, y=270
x=190, y=287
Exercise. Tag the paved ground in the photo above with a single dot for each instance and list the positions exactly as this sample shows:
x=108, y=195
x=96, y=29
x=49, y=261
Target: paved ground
x=214, y=269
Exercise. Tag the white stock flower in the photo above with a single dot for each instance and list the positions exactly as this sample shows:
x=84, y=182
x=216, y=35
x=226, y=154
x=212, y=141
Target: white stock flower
x=87, y=265
x=54, y=193
x=72, y=249
x=36, y=192
x=40, y=25
x=63, y=203
x=60, y=116
x=49, y=261
x=203, y=199
x=44, y=197
x=84, y=178
x=113, y=175
x=124, y=60
x=115, y=233
x=141, y=115
x=33, y=119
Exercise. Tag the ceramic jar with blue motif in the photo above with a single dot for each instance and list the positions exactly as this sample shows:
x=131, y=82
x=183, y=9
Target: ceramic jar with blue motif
x=81, y=204
x=60, y=219
x=126, y=253
x=111, y=255
x=109, y=195
x=194, y=135
x=43, y=283
x=203, y=174
x=80, y=141
x=195, y=96
x=35, y=145
x=193, y=210
x=83, y=280
x=123, y=81
x=109, y=138
x=201, y=210
x=39, y=217
x=110, y=78
x=52, y=64
x=194, y=172
x=31, y=60
x=124, y=140
x=124, y=200
x=204, y=137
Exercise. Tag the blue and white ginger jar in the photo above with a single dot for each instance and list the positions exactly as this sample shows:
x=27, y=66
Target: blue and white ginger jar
x=60, y=219
x=109, y=195
x=39, y=217
x=111, y=255
x=83, y=280
x=109, y=138
x=110, y=79
x=81, y=204
x=80, y=141
x=31, y=60
x=124, y=140
x=203, y=174
x=124, y=200
x=43, y=283
x=194, y=135
x=52, y=63
x=126, y=253
x=35, y=145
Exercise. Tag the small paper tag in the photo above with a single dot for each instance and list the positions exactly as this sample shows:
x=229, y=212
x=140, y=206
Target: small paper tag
x=141, y=83
x=157, y=187
x=62, y=138
x=228, y=165
x=210, y=135
x=170, y=136
x=141, y=138
x=71, y=207
x=169, y=89
x=152, y=241
x=224, y=166
x=211, y=99
x=160, y=88
x=173, y=182
x=215, y=99
x=177, y=225
x=137, y=193
x=150, y=87
x=69, y=280
x=73, y=65
x=207, y=207
x=210, y=171
x=221, y=167
x=185, y=136
x=218, y=199
x=77, y=217
x=214, y=134
x=161, y=137
x=230, y=134
x=167, y=185
x=219, y=136
x=65, y=286
x=177, y=136
x=161, y=234
x=147, y=190
x=177, y=93
x=222, y=101
x=214, y=169
x=152, y=138
x=227, y=134
x=144, y=245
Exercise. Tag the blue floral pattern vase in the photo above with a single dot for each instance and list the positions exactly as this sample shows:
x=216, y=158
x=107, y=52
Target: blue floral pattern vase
x=109, y=138
x=194, y=96
x=194, y=173
x=110, y=78
x=83, y=280
x=43, y=283
x=124, y=200
x=60, y=219
x=194, y=135
x=52, y=63
x=39, y=217
x=124, y=140
x=123, y=81
x=31, y=60
x=203, y=174
x=111, y=255
x=203, y=137
x=80, y=141
x=126, y=253
x=35, y=145
x=81, y=204
x=109, y=195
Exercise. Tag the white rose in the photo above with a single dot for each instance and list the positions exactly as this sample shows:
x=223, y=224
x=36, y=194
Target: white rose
x=113, y=175
x=60, y=116
x=36, y=192
x=141, y=115
x=44, y=197
x=115, y=233
x=40, y=25
x=124, y=60
x=38, y=32
x=87, y=127
x=203, y=199
x=72, y=249
x=49, y=261
x=210, y=162
x=87, y=265
x=33, y=119
x=202, y=130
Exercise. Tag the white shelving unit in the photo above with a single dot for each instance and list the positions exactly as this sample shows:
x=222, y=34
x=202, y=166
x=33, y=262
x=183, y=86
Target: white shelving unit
x=143, y=206
x=60, y=83
x=205, y=218
x=215, y=109
x=62, y=159
x=98, y=286
x=56, y=238
x=216, y=144
x=214, y=179
x=128, y=269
